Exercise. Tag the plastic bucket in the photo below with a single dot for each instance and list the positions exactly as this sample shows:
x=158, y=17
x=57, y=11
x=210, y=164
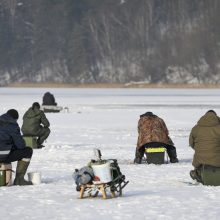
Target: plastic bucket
x=102, y=171
x=34, y=177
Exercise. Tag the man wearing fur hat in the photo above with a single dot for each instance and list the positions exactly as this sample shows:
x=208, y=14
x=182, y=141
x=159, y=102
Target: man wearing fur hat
x=153, y=132
x=35, y=123
x=12, y=146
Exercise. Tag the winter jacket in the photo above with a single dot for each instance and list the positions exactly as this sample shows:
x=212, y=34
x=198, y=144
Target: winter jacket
x=152, y=129
x=205, y=140
x=10, y=136
x=32, y=120
x=48, y=99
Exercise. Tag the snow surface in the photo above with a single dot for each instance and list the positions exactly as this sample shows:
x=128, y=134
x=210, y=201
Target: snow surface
x=107, y=119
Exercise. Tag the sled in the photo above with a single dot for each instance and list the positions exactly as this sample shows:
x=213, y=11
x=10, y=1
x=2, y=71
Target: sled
x=93, y=189
x=51, y=108
x=115, y=186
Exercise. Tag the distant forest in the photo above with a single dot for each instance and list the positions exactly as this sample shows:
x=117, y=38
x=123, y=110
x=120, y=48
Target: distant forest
x=110, y=41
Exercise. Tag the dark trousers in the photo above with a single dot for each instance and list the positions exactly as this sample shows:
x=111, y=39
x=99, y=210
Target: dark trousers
x=171, y=150
x=43, y=135
x=19, y=154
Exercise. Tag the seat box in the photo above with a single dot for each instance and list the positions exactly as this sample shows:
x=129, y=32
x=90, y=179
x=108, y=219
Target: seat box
x=30, y=141
x=210, y=175
x=155, y=155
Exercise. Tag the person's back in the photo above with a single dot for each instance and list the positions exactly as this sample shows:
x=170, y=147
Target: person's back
x=32, y=120
x=12, y=146
x=9, y=135
x=35, y=123
x=48, y=99
x=205, y=139
x=151, y=128
x=152, y=132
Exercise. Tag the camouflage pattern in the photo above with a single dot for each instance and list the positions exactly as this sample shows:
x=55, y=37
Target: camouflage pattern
x=152, y=129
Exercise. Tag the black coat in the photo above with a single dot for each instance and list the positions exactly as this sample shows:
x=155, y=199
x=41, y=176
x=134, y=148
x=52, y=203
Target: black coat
x=10, y=136
x=48, y=99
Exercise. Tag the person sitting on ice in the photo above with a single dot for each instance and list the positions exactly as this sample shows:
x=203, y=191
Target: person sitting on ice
x=153, y=132
x=12, y=146
x=48, y=99
x=205, y=140
x=35, y=123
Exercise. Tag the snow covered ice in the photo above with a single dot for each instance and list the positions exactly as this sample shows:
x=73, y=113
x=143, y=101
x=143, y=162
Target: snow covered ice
x=107, y=119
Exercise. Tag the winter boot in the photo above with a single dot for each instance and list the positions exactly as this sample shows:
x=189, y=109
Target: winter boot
x=137, y=160
x=39, y=143
x=20, y=172
x=195, y=175
x=139, y=153
x=172, y=155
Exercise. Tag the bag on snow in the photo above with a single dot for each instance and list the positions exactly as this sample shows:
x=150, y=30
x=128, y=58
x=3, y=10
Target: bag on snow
x=83, y=176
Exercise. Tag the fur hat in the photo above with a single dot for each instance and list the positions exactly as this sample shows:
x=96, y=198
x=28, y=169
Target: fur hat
x=13, y=113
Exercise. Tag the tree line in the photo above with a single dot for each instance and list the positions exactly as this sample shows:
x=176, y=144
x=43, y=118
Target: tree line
x=109, y=41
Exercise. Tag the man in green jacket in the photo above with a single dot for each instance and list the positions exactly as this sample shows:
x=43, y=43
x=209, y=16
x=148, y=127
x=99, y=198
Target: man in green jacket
x=205, y=140
x=35, y=123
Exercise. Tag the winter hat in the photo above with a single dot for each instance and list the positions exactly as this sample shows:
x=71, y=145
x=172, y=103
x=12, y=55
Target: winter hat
x=149, y=114
x=36, y=105
x=13, y=113
x=212, y=111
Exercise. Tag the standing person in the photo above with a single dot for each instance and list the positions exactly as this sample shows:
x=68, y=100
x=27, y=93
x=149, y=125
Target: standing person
x=35, y=123
x=12, y=146
x=153, y=132
x=205, y=140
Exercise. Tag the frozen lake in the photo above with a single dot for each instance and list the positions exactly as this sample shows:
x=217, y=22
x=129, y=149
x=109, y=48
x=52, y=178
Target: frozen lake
x=107, y=119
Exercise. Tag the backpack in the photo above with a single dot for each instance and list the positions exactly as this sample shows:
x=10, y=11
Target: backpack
x=83, y=176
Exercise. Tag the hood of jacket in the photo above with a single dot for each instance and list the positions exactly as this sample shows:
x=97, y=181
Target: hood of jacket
x=208, y=120
x=7, y=119
x=31, y=113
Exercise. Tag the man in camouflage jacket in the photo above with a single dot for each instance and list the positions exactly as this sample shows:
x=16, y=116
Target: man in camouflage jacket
x=152, y=132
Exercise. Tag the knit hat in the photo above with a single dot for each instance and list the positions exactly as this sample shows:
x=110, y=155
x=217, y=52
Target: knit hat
x=149, y=114
x=212, y=111
x=36, y=105
x=13, y=113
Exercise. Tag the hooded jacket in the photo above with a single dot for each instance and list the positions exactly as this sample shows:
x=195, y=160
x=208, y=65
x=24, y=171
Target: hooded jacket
x=205, y=140
x=10, y=136
x=48, y=99
x=32, y=120
x=151, y=128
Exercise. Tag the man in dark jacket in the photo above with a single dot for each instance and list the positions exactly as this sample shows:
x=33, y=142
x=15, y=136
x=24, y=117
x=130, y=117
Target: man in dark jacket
x=12, y=146
x=153, y=132
x=48, y=99
x=205, y=140
x=35, y=123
